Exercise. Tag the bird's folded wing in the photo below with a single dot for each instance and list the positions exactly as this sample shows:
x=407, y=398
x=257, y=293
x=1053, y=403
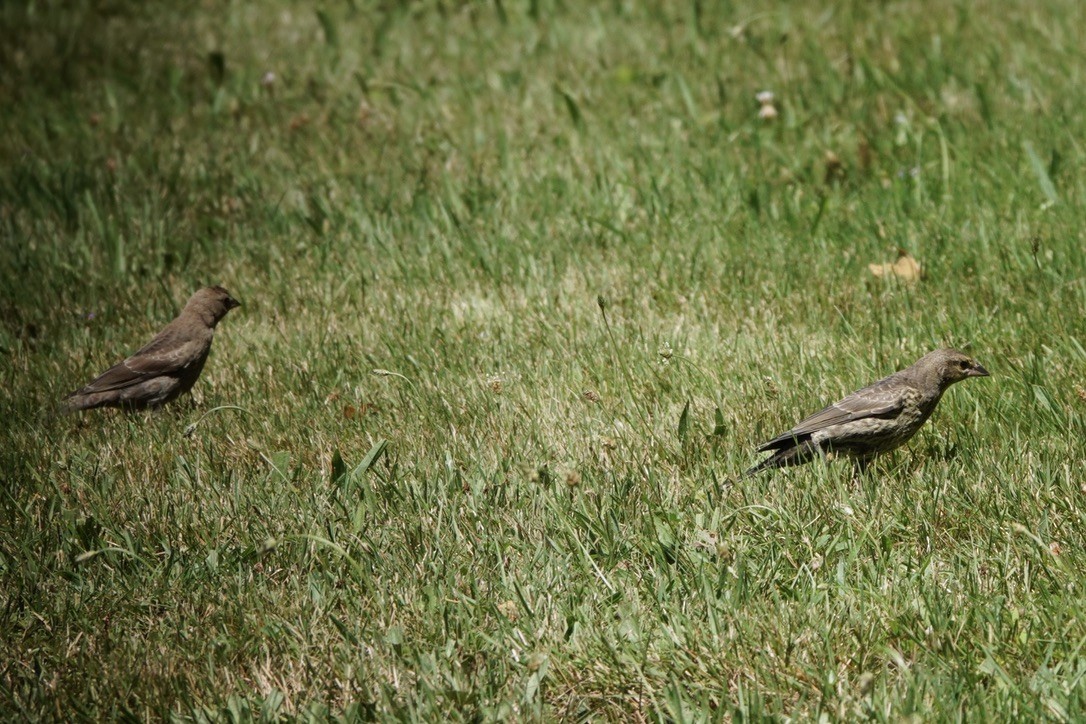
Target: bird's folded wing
x=884, y=398
x=164, y=355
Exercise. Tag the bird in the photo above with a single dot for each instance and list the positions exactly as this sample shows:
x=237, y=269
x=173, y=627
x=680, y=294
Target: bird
x=167, y=366
x=875, y=419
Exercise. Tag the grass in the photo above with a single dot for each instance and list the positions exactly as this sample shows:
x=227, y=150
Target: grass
x=524, y=286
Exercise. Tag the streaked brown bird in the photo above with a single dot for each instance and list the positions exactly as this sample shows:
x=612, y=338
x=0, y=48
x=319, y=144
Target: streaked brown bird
x=167, y=367
x=874, y=420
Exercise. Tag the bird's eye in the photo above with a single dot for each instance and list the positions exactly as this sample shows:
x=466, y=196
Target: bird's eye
x=963, y=364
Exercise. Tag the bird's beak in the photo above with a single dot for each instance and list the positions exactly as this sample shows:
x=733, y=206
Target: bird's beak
x=232, y=303
x=978, y=371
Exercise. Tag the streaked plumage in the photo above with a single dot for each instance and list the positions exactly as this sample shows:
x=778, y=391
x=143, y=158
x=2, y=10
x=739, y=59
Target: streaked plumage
x=167, y=367
x=875, y=419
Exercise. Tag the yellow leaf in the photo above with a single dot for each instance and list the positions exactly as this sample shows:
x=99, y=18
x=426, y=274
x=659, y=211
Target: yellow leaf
x=905, y=268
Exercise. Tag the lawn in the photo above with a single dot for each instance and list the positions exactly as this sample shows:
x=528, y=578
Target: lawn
x=524, y=286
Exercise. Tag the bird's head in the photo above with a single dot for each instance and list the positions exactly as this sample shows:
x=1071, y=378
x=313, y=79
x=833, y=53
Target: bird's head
x=952, y=366
x=211, y=304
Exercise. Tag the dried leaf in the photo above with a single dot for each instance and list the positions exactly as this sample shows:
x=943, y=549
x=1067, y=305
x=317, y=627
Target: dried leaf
x=905, y=268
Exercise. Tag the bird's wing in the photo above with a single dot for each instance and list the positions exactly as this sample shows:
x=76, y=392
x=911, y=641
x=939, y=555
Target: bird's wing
x=884, y=398
x=167, y=354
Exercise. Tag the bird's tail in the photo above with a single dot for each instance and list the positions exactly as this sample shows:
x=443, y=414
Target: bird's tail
x=80, y=400
x=784, y=457
x=56, y=410
x=71, y=403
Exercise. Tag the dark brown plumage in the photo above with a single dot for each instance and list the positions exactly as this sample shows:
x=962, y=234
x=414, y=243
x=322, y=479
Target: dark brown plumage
x=167, y=367
x=876, y=419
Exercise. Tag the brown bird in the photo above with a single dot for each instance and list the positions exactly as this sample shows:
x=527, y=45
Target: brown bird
x=874, y=420
x=167, y=367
